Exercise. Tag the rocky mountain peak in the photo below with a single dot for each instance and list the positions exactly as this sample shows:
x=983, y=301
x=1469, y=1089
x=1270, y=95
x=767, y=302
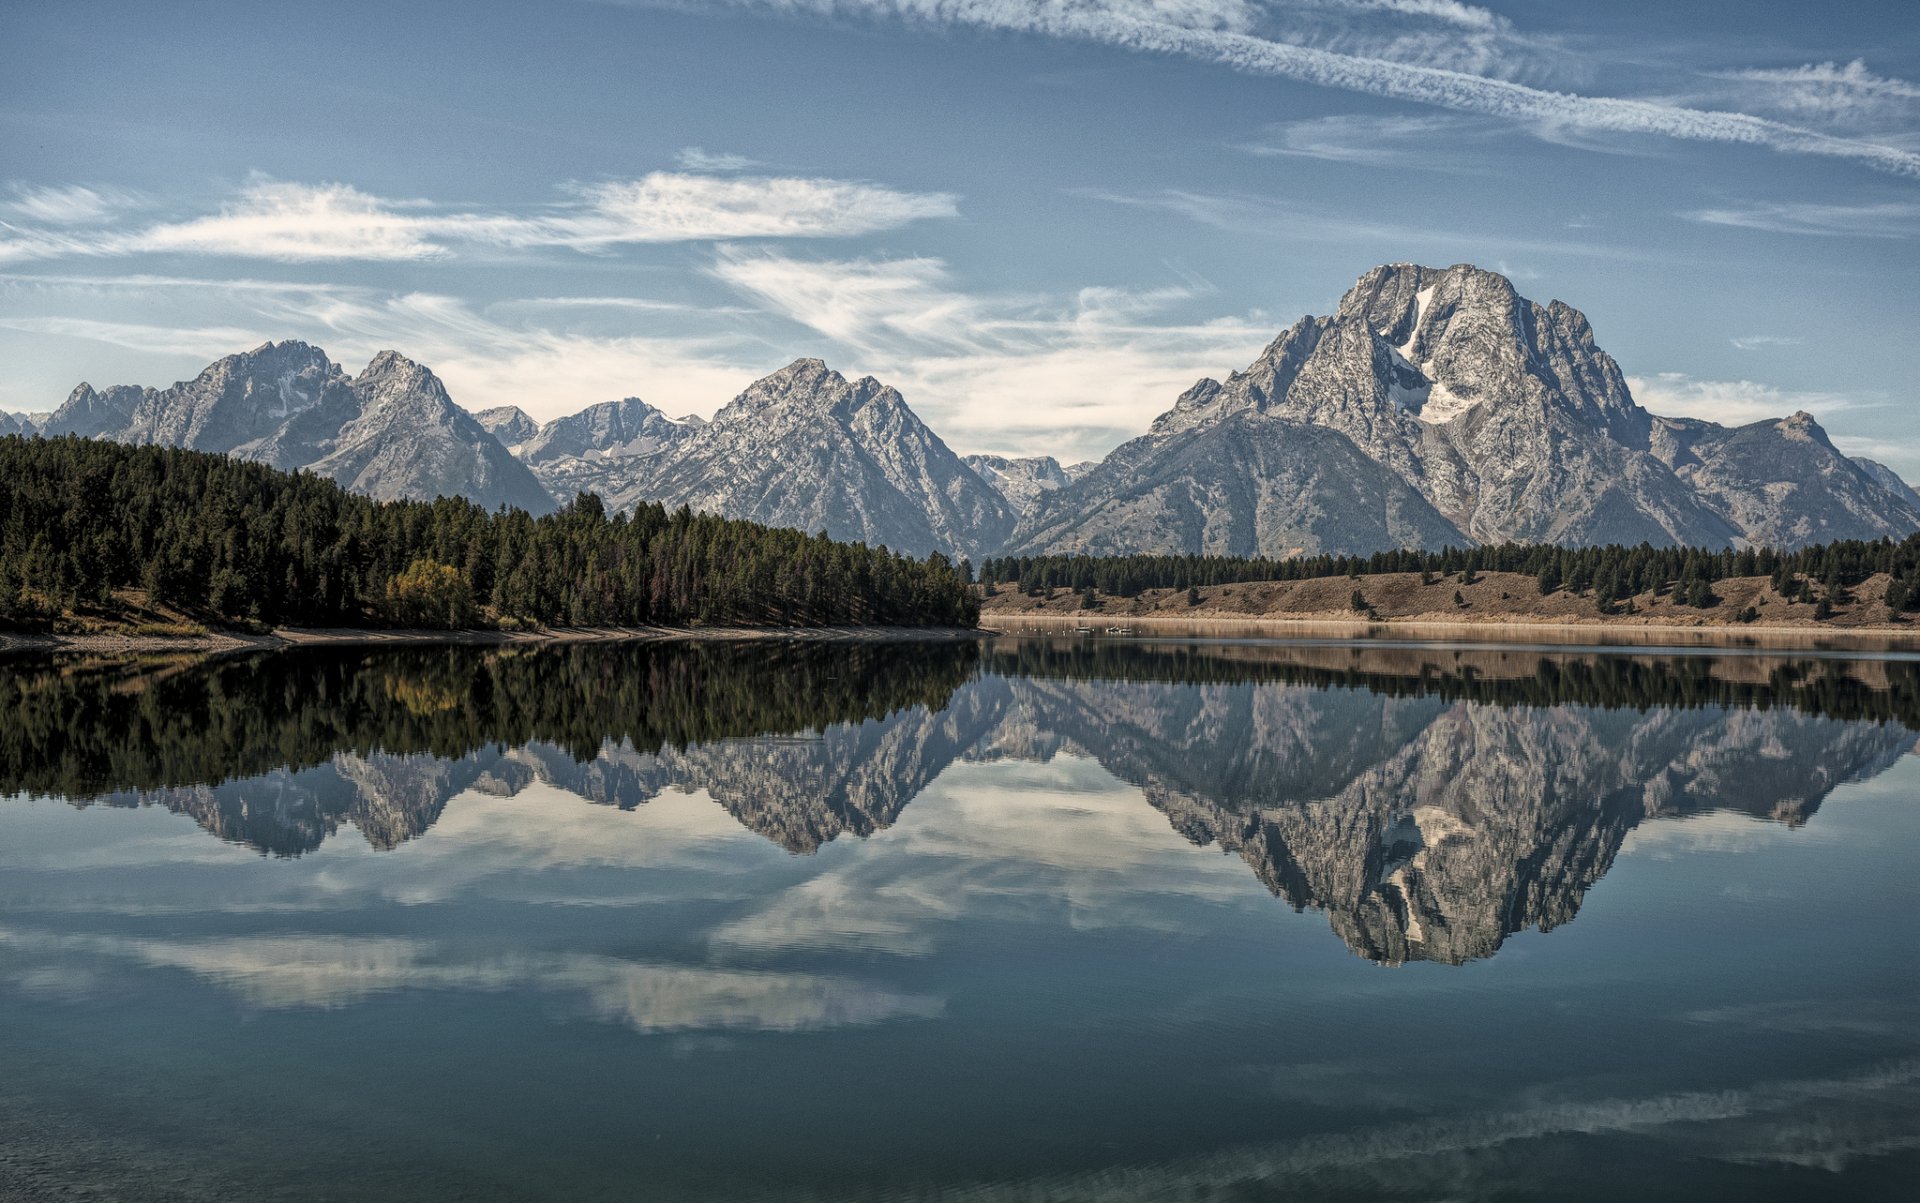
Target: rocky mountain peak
x=508, y=423
x=1801, y=425
x=1438, y=405
x=611, y=430
x=391, y=379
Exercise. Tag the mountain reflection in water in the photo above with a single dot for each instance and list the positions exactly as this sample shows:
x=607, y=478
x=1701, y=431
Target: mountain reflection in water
x=1431, y=802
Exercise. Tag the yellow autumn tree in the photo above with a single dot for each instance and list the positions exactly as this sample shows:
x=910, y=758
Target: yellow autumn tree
x=428, y=593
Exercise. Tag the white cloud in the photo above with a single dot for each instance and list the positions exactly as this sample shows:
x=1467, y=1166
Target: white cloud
x=666, y=207
x=303, y=223
x=1267, y=217
x=294, y=223
x=1760, y=342
x=1431, y=142
x=1838, y=93
x=1070, y=376
x=1885, y=219
x=1219, y=32
x=72, y=205
x=694, y=158
x=1731, y=402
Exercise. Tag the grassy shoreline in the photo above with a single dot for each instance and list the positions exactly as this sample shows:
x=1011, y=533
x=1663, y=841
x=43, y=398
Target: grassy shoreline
x=1504, y=606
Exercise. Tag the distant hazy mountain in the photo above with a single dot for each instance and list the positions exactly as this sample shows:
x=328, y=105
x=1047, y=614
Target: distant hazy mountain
x=1889, y=480
x=391, y=432
x=1441, y=406
x=1021, y=481
x=508, y=423
x=18, y=423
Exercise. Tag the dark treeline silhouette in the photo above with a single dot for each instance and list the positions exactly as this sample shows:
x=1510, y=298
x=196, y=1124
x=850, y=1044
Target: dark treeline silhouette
x=1611, y=573
x=86, y=728
x=82, y=729
x=1638, y=682
x=234, y=541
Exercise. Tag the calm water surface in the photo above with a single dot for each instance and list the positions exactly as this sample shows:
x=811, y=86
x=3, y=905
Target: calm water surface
x=1029, y=920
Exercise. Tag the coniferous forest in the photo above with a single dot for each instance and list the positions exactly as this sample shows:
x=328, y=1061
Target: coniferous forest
x=239, y=542
x=1610, y=572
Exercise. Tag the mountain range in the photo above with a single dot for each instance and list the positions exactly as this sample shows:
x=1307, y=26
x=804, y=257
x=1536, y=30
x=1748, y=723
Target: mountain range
x=1434, y=407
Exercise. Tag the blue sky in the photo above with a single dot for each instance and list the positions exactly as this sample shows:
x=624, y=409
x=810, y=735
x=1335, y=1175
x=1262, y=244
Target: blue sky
x=1040, y=220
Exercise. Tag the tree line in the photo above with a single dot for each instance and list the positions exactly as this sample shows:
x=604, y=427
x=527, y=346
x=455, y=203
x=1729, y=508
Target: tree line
x=87, y=729
x=1821, y=572
x=238, y=542
x=1612, y=682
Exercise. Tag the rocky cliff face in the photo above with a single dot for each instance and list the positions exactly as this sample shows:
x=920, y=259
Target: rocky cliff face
x=392, y=432
x=1502, y=415
x=807, y=448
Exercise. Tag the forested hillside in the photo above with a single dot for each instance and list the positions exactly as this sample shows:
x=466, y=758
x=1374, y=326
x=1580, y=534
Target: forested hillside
x=1610, y=575
x=240, y=542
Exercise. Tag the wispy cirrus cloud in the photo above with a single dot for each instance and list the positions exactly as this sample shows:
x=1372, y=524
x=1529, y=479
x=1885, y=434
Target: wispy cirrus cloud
x=1881, y=219
x=1427, y=142
x=72, y=205
x=1223, y=32
x=331, y=971
x=305, y=223
x=1734, y=402
x=1760, y=342
x=694, y=158
x=1840, y=93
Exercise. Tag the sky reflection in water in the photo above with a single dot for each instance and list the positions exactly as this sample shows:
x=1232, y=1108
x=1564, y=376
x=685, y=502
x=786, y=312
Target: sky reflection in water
x=1019, y=921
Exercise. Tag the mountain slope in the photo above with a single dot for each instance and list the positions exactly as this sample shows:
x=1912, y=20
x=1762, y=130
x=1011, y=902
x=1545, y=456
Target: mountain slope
x=1503, y=415
x=1246, y=485
x=410, y=440
x=1783, y=483
x=807, y=448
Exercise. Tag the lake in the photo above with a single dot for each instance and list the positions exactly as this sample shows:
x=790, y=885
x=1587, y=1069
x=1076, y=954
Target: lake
x=1038, y=918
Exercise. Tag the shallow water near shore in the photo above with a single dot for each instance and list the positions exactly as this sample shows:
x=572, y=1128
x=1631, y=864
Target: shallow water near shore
x=1029, y=918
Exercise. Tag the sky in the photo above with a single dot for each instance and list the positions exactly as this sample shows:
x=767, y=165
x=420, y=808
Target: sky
x=1041, y=221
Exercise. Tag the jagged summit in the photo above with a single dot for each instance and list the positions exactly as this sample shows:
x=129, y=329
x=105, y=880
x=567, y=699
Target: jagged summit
x=390, y=432
x=1477, y=415
x=805, y=447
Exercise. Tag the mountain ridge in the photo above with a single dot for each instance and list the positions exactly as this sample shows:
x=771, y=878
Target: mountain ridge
x=1434, y=406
